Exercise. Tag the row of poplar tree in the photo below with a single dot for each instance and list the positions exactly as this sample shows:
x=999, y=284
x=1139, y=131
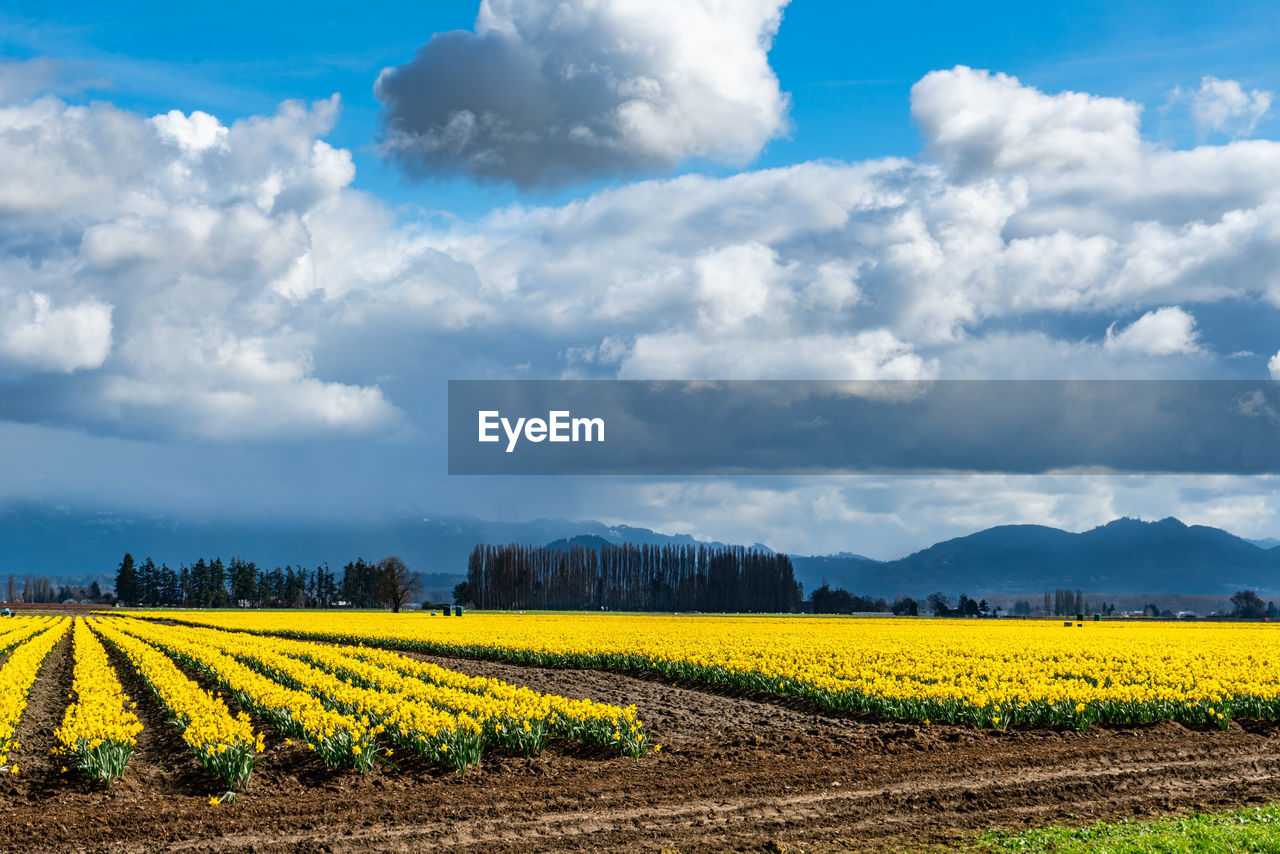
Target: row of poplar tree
x=40, y=589
x=630, y=577
x=213, y=584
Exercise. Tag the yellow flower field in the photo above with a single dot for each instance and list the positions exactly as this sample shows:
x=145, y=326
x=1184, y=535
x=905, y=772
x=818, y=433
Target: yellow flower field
x=226, y=745
x=30, y=639
x=348, y=704
x=99, y=728
x=343, y=701
x=984, y=672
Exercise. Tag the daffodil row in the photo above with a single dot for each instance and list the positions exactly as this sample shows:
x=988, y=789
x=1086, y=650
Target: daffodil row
x=224, y=744
x=438, y=734
x=991, y=673
x=18, y=674
x=516, y=717
x=555, y=716
x=17, y=629
x=446, y=716
x=339, y=739
x=99, y=729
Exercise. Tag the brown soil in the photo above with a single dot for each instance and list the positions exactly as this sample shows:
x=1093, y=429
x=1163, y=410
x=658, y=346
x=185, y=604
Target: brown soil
x=735, y=773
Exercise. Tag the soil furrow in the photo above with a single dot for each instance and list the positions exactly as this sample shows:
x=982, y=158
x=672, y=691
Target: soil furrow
x=162, y=763
x=860, y=807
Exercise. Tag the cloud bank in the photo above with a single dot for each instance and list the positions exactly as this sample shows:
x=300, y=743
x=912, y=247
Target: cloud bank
x=153, y=256
x=173, y=275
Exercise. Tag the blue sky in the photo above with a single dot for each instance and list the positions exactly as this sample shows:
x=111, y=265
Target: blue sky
x=848, y=67
x=240, y=293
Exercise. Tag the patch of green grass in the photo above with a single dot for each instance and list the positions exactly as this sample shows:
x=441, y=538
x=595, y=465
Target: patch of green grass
x=1249, y=830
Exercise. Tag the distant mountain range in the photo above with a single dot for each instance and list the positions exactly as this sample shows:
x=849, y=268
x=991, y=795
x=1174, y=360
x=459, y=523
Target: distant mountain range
x=1123, y=556
x=1126, y=555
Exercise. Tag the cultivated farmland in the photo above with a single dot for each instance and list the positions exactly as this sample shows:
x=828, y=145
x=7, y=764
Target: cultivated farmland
x=287, y=730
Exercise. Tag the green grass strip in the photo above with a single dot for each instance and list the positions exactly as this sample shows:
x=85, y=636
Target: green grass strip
x=1256, y=829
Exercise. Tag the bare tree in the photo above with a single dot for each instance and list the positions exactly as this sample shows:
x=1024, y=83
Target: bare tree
x=1249, y=605
x=399, y=584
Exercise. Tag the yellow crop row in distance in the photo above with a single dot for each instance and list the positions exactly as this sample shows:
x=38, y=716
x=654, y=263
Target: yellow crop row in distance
x=36, y=639
x=99, y=729
x=989, y=673
x=15, y=630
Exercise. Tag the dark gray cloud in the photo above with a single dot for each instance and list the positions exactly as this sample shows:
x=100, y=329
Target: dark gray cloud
x=544, y=94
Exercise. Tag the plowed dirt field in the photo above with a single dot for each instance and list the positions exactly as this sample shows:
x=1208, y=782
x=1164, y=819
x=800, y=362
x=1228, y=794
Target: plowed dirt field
x=736, y=772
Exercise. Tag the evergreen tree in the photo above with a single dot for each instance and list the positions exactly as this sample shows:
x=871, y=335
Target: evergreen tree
x=217, y=584
x=201, y=595
x=293, y=589
x=326, y=590
x=148, y=582
x=127, y=581
x=905, y=606
x=244, y=581
x=170, y=590
x=360, y=584
x=263, y=594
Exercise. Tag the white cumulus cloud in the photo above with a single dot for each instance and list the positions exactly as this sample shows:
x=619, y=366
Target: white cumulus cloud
x=1163, y=332
x=981, y=123
x=194, y=133
x=159, y=254
x=1224, y=106
x=252, y=292
x=64, y=338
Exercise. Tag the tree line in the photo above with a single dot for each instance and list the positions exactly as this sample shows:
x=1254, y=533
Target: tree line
x=241, y=583
x=630, y=577
x=841, y=601
x=39, y=589
x=941, y=606
x=1248, y=605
